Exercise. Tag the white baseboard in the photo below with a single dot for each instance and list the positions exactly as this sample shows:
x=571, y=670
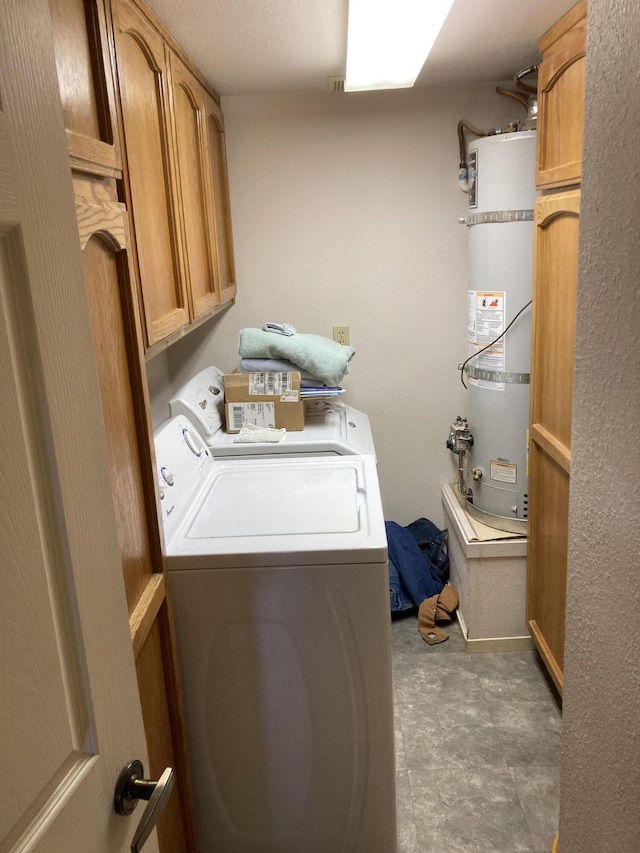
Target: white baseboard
x=494, y=644
x=500, y=644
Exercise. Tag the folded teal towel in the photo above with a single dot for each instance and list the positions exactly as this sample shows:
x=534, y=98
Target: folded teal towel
x=321, y=357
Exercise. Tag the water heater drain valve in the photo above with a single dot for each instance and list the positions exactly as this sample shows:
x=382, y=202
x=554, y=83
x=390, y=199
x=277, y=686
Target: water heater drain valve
x=460, y=439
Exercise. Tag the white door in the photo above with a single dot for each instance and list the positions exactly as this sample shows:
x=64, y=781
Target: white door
x=69, y=707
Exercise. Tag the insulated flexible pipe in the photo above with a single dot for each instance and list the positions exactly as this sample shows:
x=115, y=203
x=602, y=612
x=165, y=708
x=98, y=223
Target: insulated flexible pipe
x=520, y=97
x=532, y=69
x=463, y=170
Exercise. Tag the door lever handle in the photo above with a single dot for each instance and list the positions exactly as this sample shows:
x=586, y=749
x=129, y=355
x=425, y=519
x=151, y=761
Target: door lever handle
x=132, y=787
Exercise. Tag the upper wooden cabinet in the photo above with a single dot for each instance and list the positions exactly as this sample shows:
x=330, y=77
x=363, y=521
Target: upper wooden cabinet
x=561, y=82
x=217, y=153
x=149, y=176
x=202, y=180
x=176, y=191
x=196, y=222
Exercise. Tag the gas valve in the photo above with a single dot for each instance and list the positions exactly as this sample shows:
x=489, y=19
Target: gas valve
x=460, y=438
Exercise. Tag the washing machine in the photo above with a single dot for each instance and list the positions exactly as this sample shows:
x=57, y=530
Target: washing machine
x=277, y=572
x=331, y=427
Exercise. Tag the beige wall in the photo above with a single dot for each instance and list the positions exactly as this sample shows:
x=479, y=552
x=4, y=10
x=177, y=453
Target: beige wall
x=345, y=211
x=600, y=781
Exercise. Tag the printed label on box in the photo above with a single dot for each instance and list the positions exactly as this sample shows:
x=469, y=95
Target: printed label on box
x=504, y=472
x=260, y=414
x=290, y=397
x=269, y=384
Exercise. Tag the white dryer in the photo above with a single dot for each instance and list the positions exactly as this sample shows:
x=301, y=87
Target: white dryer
x=278, y=579
x=337, y=429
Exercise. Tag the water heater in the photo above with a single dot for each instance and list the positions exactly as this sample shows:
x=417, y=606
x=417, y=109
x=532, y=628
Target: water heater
x=500, y=239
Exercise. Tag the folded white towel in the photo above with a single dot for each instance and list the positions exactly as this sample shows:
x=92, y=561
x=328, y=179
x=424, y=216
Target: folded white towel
x=280, y=328
x=252, y=434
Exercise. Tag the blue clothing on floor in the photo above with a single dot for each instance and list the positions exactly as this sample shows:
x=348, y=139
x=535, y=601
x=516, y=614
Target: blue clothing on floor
x=412, y=578
x=433, y=543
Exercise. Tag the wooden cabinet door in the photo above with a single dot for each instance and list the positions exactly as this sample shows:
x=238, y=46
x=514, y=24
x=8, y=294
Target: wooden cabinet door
x=219, y=187
x=103, y=236
x=554, y=306
x=151, y=189
x=561, y=83
x=198, y=234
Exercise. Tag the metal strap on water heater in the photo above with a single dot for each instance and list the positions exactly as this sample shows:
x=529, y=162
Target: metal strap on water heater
x=497, y=376
x=493, y=216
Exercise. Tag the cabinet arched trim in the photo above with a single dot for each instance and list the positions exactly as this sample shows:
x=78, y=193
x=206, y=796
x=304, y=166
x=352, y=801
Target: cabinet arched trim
x=106, y=219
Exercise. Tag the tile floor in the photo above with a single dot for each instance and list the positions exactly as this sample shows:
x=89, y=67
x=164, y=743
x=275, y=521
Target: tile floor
x=477, y=747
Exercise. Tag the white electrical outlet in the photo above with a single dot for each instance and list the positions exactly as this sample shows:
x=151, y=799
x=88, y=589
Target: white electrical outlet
x=341, y=335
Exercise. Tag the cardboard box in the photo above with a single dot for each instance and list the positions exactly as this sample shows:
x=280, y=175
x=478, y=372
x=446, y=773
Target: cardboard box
x=266, y=399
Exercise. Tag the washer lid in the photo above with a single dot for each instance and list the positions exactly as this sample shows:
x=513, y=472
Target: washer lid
x=276, y=512
x=278, y=500
x=334, y=429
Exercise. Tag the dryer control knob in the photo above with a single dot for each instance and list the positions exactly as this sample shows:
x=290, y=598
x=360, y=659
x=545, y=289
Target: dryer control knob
x=167, y=476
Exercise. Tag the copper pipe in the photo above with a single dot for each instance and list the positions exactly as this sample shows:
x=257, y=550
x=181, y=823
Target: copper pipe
x=462, y=124
x=520, y=97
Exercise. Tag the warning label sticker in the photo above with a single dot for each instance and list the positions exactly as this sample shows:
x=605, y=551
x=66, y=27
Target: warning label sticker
x=485, y=323
x=504, y=472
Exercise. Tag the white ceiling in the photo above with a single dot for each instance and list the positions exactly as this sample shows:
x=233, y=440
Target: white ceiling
x=265, y=46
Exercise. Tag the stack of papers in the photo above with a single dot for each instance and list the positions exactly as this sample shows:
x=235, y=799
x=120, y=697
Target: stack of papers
x=321, y=391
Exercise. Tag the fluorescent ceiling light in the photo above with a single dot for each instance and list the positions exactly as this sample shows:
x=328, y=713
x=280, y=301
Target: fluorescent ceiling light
x=389, y=40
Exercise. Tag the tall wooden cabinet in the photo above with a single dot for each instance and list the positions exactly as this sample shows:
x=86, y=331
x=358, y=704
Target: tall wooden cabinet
x=154, y=229
x=107, y=269
x=85, y=80
x=556, y=214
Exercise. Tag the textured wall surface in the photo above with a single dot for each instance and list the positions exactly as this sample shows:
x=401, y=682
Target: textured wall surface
x=600, y=782
x=345, y=211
